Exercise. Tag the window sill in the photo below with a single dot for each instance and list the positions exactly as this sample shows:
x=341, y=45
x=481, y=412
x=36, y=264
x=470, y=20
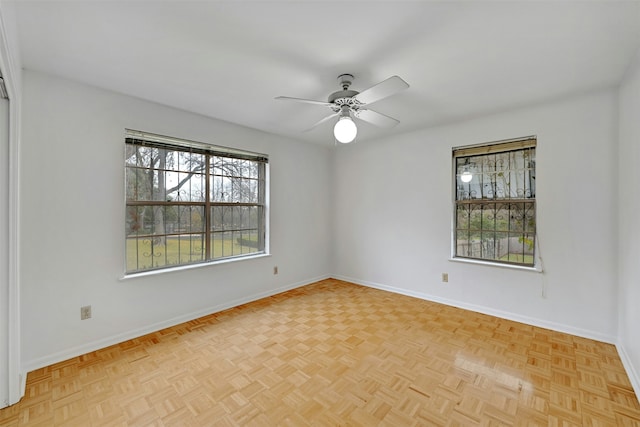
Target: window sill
x=534, y=269
x=190, y=266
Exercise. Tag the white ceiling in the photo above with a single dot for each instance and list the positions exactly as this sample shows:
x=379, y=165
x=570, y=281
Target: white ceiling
x=229, y=59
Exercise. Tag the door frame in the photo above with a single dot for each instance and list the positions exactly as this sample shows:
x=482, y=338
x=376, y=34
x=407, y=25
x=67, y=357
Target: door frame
x=11, y=73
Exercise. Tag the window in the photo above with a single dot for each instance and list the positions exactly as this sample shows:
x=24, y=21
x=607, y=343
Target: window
x=495, y=205
x=189, y=203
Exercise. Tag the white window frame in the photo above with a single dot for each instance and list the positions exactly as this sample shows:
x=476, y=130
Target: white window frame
x=514, y=206
x=218, y=166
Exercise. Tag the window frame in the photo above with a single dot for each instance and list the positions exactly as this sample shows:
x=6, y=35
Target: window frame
x=259, y=164
x=527, y=201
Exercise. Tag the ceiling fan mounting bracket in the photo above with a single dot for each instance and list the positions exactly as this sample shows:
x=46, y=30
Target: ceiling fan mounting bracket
x=345, y=80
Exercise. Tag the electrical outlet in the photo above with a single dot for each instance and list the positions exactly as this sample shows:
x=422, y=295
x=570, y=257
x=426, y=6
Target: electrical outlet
x=445, y=277
x=85, y=312
x=275, y=269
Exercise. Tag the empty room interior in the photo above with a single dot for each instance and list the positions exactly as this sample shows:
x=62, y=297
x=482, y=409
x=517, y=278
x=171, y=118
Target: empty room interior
x=323, y=213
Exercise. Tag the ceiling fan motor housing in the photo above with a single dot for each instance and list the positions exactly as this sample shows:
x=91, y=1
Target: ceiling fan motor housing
x=336, y=96
x=344, y=96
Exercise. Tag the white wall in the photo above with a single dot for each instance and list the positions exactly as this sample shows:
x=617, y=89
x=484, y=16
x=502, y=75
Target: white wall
x=72, y=205
x=629, y=232
x=394, y=208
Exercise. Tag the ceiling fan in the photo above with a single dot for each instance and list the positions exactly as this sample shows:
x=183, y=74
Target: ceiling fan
x=345, y=103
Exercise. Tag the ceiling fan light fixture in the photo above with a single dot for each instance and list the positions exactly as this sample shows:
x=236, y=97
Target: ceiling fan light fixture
x=345, y=130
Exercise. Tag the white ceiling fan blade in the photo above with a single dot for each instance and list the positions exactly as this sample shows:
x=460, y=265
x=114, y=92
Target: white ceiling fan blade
x=308, y=101
x=383, y=89
x=376, y=118
x=329, y=117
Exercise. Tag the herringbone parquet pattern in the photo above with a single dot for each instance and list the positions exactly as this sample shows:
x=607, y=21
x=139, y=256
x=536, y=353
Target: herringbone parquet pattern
x=337, y=354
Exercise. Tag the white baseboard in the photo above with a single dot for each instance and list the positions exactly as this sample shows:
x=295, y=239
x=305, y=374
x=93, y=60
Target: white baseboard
x=41, y=362
x=488, y=310
x=632, y=373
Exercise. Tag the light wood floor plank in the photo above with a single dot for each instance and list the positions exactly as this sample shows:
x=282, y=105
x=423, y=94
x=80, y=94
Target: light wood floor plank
x=337, y=354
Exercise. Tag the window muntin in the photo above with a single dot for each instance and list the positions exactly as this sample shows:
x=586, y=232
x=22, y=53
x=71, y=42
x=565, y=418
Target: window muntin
x=190, y=203
x=495, y=212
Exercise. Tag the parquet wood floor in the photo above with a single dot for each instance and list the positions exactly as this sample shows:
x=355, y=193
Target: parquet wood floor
x=337, y=354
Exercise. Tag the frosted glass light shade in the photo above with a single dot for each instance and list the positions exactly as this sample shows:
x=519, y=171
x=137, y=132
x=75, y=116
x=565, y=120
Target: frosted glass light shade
x=345, y=130
x=466, y=176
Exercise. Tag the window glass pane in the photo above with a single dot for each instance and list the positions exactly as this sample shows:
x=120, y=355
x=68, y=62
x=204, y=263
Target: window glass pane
x=235, y=217
x=488, y=216
x=221, y=189
x=516, y=216
x=251, y=217
x=475, y=218
x=462, y=216
x=185, y=219
x=521, y=248
x=236, y=230
x=223, y=244
x=245, y=168
x=131, y=181
x=488, y=245
x=530, y=218
x=134, y=221
x=144, y=157
x=140, y=220
x=146, y=253
x=192, y=248
x=488, y=188
x=250, y=191
x=185, y=186
x=463, y=189
x=175, y=190
x=249, y=242
x=462, y=243
x=501, y=162
x=502, y=217
x=234, y=189
x=139, y=183
x=502, y=246
x=254, y=170
x=222, y=218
